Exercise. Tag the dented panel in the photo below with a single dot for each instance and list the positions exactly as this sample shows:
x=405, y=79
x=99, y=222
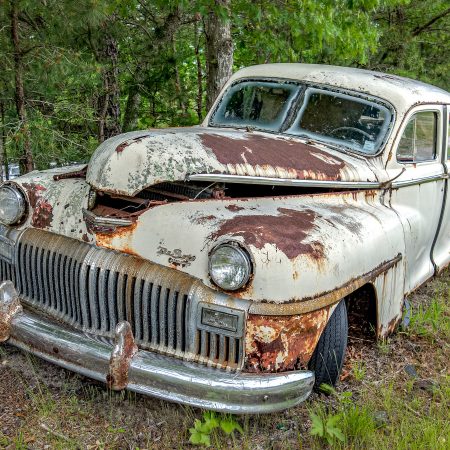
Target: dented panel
x=297, y=242
x=56, y=205
x=279, y=343
x=151, y=157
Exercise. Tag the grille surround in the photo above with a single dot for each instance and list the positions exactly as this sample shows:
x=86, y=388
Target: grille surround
x=92, y=289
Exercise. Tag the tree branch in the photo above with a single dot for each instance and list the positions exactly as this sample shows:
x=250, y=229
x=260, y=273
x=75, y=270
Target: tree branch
x=422, y=28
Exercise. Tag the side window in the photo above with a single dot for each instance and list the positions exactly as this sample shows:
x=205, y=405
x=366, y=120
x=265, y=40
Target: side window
x=418, y=142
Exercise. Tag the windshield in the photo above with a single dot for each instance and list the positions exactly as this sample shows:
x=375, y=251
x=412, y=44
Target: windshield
x=261, y=105
x=326, y=116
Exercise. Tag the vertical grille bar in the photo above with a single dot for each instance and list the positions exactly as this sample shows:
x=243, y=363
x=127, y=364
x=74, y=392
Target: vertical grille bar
x=112, y=303
x=146, y=299
x=154, y=313
x=102, y=293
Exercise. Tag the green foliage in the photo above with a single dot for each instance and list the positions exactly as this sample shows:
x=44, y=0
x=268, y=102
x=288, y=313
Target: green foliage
x=414, y=40
x=201, y=432
x=359, y=370
x=326, y=426
x=161, y=57
x=430, y=322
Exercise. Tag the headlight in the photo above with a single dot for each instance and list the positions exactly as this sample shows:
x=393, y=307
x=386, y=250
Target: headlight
x=229, y=266
x=12, y=205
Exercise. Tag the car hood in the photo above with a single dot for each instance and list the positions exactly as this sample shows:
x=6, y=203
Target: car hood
x=127, y=163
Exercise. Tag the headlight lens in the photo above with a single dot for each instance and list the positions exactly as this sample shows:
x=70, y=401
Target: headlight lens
x=229, y=266
x=12, y=205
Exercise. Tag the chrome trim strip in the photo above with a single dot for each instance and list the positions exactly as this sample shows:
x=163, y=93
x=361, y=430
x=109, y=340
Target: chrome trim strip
x=161, y=376
x=407, y=183
x=106, y=221
x=223, y=178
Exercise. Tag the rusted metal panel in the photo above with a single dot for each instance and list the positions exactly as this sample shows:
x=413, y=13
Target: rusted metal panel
x=56, y=205
x=298, y=242
x=152, y=157
x=280, y=343
x=389, y=289
x=9, y=307
x=124, y=350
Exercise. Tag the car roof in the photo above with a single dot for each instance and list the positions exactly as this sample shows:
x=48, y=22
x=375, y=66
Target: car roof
x=401, y=92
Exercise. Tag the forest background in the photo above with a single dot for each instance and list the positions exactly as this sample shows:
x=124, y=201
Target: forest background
x=73, y=73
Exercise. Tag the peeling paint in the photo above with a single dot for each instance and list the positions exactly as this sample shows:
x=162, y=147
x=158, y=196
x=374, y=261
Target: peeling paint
x=287, y=157
x=286, y=231
x=173, y=154
x=280, y=343
x=42, y=214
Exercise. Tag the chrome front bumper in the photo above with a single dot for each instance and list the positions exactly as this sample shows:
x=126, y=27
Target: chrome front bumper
x=122, y=365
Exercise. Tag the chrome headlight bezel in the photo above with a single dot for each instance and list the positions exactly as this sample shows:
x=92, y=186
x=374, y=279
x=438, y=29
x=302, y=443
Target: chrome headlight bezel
x=21, y=205
x=247, y=265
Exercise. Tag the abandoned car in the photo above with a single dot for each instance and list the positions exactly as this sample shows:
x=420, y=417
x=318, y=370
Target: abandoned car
x=214, y=265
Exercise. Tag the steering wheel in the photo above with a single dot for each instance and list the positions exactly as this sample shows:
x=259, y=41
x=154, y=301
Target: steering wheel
x=352, y=129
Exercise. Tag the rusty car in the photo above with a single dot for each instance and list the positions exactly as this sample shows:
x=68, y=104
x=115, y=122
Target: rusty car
x=213, y=265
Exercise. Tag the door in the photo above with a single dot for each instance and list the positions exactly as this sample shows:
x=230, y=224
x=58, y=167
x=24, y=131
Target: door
x=441, y=249
x=417, y=194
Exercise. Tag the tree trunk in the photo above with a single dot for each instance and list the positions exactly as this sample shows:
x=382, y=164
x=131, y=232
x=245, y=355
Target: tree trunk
x=109, y=102
x=219, y=51
x=131, y=113
x=178, y=87
x=199, y=74
x=3, y=164
x=26, y=160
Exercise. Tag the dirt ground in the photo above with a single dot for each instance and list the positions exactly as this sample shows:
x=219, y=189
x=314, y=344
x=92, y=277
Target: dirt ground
x=45, y=407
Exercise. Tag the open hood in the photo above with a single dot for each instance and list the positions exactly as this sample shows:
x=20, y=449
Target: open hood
x=130, y=162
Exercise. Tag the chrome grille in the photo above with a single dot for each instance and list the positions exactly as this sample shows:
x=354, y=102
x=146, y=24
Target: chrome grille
x=93, y=289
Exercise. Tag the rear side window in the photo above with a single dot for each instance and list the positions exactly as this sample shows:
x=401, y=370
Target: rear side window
x=418, y=142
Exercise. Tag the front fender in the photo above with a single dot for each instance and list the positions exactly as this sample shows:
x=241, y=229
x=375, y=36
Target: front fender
x=302, y=246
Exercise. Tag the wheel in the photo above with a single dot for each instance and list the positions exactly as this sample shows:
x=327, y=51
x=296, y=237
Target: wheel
x=329, y=354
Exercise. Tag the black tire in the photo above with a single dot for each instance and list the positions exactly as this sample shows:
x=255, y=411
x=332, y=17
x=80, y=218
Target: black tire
x=328, y=357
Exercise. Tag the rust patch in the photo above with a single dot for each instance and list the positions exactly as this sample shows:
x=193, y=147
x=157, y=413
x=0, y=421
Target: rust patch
x=280, y=343
x=121, y=147
x=302, y=160
x=75, y=174
x=391, y=327
x=286, y=231
x=203, y=219
x=122, y=233
x=34, y=192
x=121, y=356
x=9, y=307
x=234, y=208
x=42, y=214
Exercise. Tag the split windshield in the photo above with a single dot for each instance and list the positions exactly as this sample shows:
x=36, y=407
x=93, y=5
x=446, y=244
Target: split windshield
x=322, y=115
